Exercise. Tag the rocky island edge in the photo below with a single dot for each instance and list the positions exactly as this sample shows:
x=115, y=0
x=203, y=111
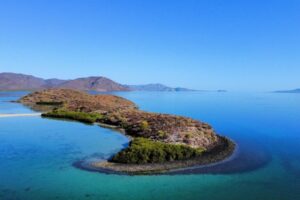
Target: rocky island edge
x=159, y=142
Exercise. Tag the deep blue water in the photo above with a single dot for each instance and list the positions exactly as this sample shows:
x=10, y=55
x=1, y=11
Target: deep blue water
x=36, y=155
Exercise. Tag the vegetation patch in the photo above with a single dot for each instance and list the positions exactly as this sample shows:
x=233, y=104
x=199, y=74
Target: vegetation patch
x=50, y=103
x=221, y=151
x=78, y=116
x=143, y=151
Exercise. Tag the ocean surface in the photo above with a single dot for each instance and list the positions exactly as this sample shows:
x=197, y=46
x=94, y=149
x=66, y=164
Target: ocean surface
x=37, y=155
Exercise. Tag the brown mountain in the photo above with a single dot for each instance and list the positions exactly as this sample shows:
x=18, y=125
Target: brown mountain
x=13, y=81
x=94, y=83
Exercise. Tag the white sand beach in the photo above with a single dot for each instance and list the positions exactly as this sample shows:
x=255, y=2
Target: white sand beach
x=20, y=115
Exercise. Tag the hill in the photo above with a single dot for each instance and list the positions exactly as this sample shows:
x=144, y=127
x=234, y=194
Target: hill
x=100, y=84
x=13, y=81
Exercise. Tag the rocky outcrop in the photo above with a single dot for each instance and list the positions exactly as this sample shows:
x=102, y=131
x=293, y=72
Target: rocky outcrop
x=164, y=127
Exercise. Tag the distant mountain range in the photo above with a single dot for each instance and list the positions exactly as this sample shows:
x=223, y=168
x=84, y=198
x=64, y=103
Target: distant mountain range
x=13, y=81
x=289, y=91
x=156, y=87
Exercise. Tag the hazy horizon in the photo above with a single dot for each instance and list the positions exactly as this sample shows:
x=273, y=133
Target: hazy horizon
x=232, y=45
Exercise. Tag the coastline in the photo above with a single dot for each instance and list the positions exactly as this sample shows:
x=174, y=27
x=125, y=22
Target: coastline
x=221, y=153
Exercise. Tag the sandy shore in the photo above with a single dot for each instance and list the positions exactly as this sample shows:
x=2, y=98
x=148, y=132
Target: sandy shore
x=20, y=115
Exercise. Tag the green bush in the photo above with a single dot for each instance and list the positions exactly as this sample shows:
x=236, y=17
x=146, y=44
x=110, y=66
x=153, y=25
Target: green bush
x=144, y=125
x=162, y=134
x=78, y=116
x=142, y=151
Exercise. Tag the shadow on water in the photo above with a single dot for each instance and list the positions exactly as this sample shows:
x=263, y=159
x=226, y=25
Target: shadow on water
x=244, y=160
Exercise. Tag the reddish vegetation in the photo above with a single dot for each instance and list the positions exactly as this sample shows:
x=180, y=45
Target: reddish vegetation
x=164, y=127
x=79, y=101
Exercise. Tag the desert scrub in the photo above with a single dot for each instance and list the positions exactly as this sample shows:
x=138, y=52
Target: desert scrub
x=144, y=125
x=142, y=151
x=162, y=134
x=78, y=116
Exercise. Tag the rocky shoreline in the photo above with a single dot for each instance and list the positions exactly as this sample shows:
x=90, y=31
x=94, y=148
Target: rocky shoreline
x=223, y=151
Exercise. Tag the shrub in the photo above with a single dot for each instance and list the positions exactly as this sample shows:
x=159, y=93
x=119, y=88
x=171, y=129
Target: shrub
x=142, y=151
x=162, y=134
x=144, y=125
x=78, y=116
x=188, y=135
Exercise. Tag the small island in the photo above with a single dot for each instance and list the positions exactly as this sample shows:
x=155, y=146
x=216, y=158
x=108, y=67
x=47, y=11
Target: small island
x=159, y=142
x=289, y=91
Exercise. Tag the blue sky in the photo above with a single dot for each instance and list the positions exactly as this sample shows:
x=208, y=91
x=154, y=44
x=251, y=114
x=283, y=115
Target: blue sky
x=201, y=44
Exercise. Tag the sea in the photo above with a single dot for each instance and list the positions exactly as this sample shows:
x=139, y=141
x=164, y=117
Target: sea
x=37, y=155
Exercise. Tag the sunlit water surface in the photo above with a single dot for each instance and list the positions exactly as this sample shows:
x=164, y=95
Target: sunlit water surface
x=37, y=155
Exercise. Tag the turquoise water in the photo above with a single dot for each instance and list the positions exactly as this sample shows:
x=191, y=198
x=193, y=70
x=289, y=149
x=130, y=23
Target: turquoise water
x=37, y=155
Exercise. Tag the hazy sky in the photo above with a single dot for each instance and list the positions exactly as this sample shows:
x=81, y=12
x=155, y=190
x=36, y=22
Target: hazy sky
x=201, y=44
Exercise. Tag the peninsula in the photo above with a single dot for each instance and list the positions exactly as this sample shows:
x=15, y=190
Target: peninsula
x=159, y=142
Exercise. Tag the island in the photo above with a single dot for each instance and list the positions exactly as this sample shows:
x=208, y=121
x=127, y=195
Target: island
x=158, y=142
x=288, y=91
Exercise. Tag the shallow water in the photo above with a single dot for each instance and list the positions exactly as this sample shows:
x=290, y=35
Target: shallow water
x=36, y=155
